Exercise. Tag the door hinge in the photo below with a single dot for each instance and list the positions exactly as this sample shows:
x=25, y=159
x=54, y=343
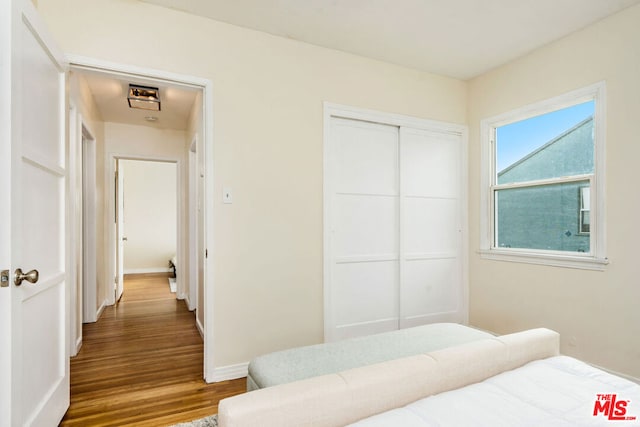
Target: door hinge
x=206, y=253
x=4, y=279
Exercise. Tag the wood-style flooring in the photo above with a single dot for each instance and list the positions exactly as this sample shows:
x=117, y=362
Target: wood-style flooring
x=141, y=363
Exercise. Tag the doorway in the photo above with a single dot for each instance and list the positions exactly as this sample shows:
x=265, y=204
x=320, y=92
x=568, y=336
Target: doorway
x=147, y=220
x=146, y=141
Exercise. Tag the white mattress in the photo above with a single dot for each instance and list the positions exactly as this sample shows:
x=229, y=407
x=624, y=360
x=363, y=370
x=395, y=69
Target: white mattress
x=559, y=391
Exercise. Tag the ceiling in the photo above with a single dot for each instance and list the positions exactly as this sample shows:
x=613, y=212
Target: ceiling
x=457, y=38
x=110, y=96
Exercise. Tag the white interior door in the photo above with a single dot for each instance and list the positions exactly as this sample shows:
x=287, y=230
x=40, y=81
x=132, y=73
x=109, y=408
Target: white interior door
x=364, y=228
x=120, y=237
x=34, y=350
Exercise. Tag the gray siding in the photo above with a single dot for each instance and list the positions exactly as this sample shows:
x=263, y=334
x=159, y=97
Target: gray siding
x=547, y=217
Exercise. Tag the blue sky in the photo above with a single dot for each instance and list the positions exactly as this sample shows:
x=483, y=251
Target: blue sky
x=516, y=140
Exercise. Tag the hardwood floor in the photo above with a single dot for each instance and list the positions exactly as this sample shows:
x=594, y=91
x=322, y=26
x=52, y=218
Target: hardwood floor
x=141, y=363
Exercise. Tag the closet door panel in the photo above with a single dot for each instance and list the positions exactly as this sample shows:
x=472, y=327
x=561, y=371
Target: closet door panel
x=431, y=225
x=364, y=228
x=429, y=294
x=366, y=298
x=366, y=158
x=430, y=164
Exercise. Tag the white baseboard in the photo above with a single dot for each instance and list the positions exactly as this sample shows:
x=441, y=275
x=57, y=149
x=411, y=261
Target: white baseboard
x=231, y=372
x=199, y=326
x=78, y=345
x=101, y=309
x=147, y=270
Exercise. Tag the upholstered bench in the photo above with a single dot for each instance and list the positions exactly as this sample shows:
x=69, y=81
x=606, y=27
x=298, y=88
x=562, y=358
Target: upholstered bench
x=305, y=362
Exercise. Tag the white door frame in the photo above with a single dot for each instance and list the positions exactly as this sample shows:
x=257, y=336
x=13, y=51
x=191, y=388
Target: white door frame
x=192, y=294
x=90, y=310
x=113, y=242
x=81, y=256
x=115, y=69
x=332, y=110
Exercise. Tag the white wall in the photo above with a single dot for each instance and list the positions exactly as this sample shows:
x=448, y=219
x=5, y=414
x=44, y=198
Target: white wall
x=149, y=215
x=596, y=313
x=267, y=94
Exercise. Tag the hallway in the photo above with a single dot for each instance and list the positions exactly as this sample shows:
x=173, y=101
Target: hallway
x=141, y=363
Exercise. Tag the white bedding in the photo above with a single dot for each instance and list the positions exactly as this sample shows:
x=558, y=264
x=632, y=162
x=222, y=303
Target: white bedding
x=558, y=391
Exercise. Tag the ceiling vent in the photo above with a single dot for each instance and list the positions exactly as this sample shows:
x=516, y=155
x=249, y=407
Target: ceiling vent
x=144, y=97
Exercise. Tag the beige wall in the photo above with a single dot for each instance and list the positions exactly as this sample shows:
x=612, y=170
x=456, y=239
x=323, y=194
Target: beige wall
x=149, y=215
x=598, y=310
x=268, y=93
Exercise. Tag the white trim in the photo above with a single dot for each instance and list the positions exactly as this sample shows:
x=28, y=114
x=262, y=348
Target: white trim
x=192, y=220
x=596, y=259
x=331, y=110
x=127, y=70
x=551, y=258
x=90, y=222
x=208, y=203
x=147, y=270
x=200, y=327
x=231, y=372
x=101, y=309
x=355, y=113
x=77, y=346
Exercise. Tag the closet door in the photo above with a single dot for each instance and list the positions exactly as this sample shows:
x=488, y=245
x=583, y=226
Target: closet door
x=431, y=288
x=364, y=229
x=394, y=224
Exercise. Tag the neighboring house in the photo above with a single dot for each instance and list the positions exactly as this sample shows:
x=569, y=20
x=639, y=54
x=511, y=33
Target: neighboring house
x=554, y=217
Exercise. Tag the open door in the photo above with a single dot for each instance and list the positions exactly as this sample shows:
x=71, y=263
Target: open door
x=34, y=353
x=120, y=237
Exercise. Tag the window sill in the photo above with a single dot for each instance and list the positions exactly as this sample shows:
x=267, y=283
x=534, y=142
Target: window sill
x=549, y=259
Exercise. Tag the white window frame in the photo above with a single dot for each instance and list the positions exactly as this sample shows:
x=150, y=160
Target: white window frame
x=594, y=260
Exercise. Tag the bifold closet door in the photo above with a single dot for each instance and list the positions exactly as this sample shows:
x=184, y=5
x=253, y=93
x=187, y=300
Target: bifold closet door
x=364, y=234
x=431, y=228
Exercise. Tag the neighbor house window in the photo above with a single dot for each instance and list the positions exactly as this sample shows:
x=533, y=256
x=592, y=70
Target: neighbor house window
x=540, y=163
x=585, y=210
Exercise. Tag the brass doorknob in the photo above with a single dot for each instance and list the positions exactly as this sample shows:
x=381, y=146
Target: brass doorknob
x=31, y=277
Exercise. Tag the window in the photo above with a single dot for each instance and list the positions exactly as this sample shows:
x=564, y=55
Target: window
x=542, y=178
x=585, y=210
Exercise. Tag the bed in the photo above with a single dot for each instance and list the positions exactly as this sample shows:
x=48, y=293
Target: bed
x=557, y=391
x=517, y=379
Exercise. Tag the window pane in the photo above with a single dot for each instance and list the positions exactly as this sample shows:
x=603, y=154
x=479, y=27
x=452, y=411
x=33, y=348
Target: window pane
x=551, y=145
x=544, y=217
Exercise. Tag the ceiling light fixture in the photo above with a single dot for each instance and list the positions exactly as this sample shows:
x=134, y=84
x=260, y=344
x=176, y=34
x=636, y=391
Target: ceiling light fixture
x=144, y=97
